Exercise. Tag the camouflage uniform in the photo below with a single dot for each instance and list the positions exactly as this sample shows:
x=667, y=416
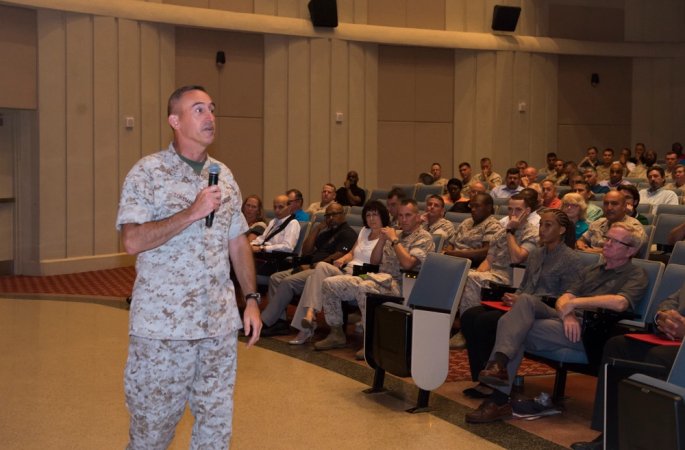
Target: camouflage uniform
x=183, y=315
x=441, y=226
x=499, y=257
x=596, y=233
x=345, y=288
x=471, y=236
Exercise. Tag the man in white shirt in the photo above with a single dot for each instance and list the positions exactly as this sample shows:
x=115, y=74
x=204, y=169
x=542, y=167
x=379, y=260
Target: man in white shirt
x=656, y=194
x=284, y=240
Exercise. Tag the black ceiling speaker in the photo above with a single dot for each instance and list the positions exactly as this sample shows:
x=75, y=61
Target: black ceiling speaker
x=324, y=13
x=505, y=18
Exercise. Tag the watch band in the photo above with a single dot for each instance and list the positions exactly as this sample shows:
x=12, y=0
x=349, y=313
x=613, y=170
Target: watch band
x=256, y=296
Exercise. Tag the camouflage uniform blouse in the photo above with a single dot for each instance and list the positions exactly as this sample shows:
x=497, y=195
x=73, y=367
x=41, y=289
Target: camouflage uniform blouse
x=527, y=236
x=469, y=236
x=182, y=289
x=418, y=244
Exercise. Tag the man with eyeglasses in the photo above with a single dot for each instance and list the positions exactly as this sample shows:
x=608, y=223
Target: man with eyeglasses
x=614, y=284
x=282, y=232
x=327, y=198
x=327, y=241
x=614, y=211
x=295, y=202
x=594, y=212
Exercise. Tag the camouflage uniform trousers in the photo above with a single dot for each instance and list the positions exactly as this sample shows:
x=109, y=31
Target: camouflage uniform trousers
x=475, y=281
x=348, y=288
x=162, y=375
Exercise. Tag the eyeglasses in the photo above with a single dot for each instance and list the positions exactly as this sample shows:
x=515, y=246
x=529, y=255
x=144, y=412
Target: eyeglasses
x=327, y=215
x=570, y=205
x=613, y=240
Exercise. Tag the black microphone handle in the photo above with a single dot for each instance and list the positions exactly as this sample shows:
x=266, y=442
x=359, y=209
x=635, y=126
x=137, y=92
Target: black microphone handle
x=213, y=180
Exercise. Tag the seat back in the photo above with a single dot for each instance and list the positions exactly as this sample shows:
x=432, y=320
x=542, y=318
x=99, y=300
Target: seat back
x=423, y=191
x=678, y=254
x=304, y=229
x=440, y=282
x=379, y=194
x=677, y=374
x=670, y=209
x=588, y=259
x=671, y=280
x=438, y=241
x=355, y=210
x=355, y=220
x=655, y=270
x=408, y=189
x=644, y=208
x=456, y=217
x=646, y=247
x=664, y=224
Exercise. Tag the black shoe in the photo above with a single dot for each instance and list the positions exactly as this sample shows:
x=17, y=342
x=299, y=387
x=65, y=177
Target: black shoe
x=280, y=328
x=479, y=391
x=596, y=444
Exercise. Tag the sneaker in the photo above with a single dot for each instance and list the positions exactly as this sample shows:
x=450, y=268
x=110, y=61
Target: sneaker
x=457, y=342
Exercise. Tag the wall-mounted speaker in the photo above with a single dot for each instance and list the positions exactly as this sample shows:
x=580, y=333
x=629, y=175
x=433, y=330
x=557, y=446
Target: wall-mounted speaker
x=324, y=13
x=505, y=18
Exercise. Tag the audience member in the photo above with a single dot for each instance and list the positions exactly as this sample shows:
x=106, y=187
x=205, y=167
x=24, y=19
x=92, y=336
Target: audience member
x=590, y=159
x=466, y=178
x=632, y=196
x=436, y=173
x=656, y=194
x=393, y=252
x=477, y=187
x=530, y=176
x=592, y=181
x=375, y=216
x=434, y=219
x=669, y=320
x=640, y=170
x=510, y=245
x=282, y=232
x=570, y=172
x=575, y=208
x=472, y=237
x=615, y=177
x=350, y=194
x=327, y=198
x=486, y=176
x=557, y=176
x=549, y=195
x=325, y=242
x=639, y=152
x=615, y=209
x=551, y=269
x=671, y=164
x=533, y=198
x=295, y=202
x=395, y=197
x=551, y=159
x=594, y=212
x=603, y=169
x=678, y=178
x=512, y=186
x=454, y=200
x=254, y=215
x=521, y=165
x=626, y=160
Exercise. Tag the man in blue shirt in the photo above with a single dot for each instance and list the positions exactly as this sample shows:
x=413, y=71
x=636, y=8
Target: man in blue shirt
x=295, y=201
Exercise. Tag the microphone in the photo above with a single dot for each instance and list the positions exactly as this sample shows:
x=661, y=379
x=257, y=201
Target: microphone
x=213, y=180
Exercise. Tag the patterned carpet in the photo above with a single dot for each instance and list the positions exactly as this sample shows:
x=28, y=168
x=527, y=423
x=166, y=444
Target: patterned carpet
x=119, y=283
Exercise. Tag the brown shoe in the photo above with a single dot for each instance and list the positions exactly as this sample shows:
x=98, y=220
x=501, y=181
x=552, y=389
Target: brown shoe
x=494, y=375
x=489, y=411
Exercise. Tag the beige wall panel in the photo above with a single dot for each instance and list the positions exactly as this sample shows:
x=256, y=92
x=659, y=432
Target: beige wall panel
x=505, y=112
x=485, y=104
x=434, y=85
x=242, y=78
x=455, y=15
x=529, y=18
x=662, y=119
x=396, y=153
x=371, y=115
x=18, y=45
x=267, y=7
x=543, y=105
x=288, y=8
x=240, y=148
x=275, y=115
x=27, y=193
x=678, y=100
x=433, y=144
x=361, y=11
x=6, y=232
x=520, y=137
x=339, y=148
x=151, y=97
x=550, y=73
x=52, y=139
x=192, y=3
x=396, y=83
x=356, y=116
x=79, y=34
x=167, y=82
x=392, y=13
x=320, y=120
x=426, y=14
x=574, y=139
x=7, y=152
x=476, y=17
x=464, y=108
x=298, y=114
x=641, y=118
x=129, y=95
x=196, y=60
x=345, y=11
x=592, y=23
x=243, y=6
x=105, y=135
x=664, y=21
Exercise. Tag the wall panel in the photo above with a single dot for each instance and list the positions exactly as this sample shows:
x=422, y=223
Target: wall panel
x=504, y=110
x=18, y=45
x=339, y=146
x=151, y=98
x=320, y=117
x=298, y=114
x=275, y=115
x=464, y=108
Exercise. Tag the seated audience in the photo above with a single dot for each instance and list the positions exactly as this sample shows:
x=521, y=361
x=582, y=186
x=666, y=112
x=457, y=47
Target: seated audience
x=395, y=197
x=434, y=219
x=406, y=250
x=477, y=187
x=533, y=197
x=656, y=194
x=640, y=171
x=350, y=194
x=615, y=177
x=669, y=320
x=466, y=178
x=671, y=164
x=615, y=209
x=549, y=195
x=327, y=198
x=614, y=284
x=570, y=173
x=375, y=216
x=550, y=270
x=575, y=208
x=282, y=232
x=626, y=160
x=529, y=176
x=551, y=158
x=510, y=245
x=486, y=176
x=558, y=175
x=521, y=165
x=325, y=242
x=603, y=168
x=295, y=202
x=590, y=159
x=592, y=181
x=512, y=186
x=472, y=237
x=436, y=173
x=254, y=215
x=678, y=178
x=632, y=196
x=594, y=212
x=454, y=200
